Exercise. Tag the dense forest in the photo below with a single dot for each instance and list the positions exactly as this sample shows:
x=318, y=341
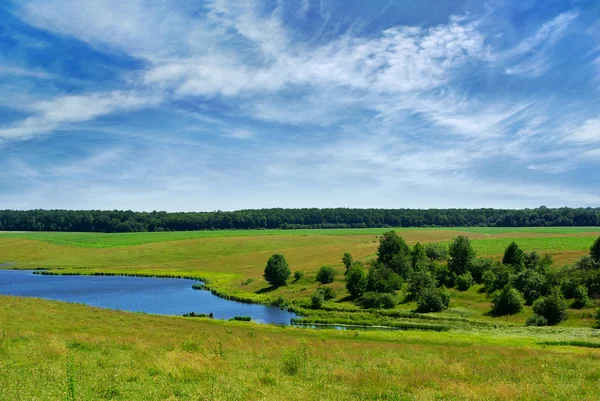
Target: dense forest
x=129, y=221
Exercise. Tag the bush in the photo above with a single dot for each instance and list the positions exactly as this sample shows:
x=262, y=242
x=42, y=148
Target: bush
x=356, y=280
x=326, y=275
x=347, y=260
x=536, y=320
x=295, y=360
x=383, y=279
x=598, y=318
x=298, y=275
x=277, y=270
x=514, y=256
x=461, y=255
x=444, y=276
x=531, y=284
x=464, y=282
x=581, y=297
x=390, y=244
x=242, y=318
x=375, y=300
x=553, y=307
x=595, y=251
x=567, y=287
x=507, y=302
x=478, y=267
x=418, y=255
x=433, y=300
x=419, y=281
x=317, y=300
x=328, y=293
x=436, y=251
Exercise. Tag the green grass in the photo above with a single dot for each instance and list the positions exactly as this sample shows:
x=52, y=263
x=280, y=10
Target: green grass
x=56, y=351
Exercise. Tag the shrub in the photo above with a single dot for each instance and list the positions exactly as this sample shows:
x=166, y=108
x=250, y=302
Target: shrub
x=328, y=293
x=553, y=307
x=531, y=284
x=507, y=302
x=390, y=244
x=298, y=275
x=375, y=300
x=418, y=255
x=295, y=360
x=536, y=320
x=242, y=318
x=514, y=256
x=277, y=270
x=464, y=281
x=461, y=255
x=489, y=281
x=598, y=318
x=326, y=275
x=478, y=267
x=317, y=300
x=383, y=279
x=581, y=297
x=401, y=264
x=595, y=251
x=347, y=260
x=567, y=287
x=436, y=251
x=419, y=281
x=433, y=300
x=356, y=280
x=443, y=275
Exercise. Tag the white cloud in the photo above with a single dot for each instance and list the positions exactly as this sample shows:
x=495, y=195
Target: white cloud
x=239, y=134
x=588, y=132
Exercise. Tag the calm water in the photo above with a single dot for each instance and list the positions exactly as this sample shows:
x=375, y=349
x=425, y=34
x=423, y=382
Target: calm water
x=163, y=296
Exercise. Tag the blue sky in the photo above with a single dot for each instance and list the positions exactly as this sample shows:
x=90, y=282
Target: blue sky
x=233, y=104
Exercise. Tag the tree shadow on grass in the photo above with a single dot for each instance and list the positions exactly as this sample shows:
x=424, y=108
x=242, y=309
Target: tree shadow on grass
x=266, y=290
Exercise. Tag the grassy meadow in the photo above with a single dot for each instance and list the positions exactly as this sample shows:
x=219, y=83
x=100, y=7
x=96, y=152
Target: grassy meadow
x=56, y=351
x=232, y=262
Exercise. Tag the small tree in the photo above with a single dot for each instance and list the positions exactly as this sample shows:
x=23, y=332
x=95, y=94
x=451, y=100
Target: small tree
x=298, y=275
x=598, y=318
x=383, y=279
x=514, y=256
x=356, y=281
x=433, y=300
x=326, y=275
x=581, y=297
x=420, y=280
x=480, y=266
x=464, y=281
x=327, y=292
x=531, y=284
x=277, y=270
x=595, y=251
x=553, y=307
x=418, y=255
x=390, y=244
x=436, y=251
x=347, y=260
x=507, y=302
x=401, y=264
x=376, y=300
x=317, y=300
x=461, y=255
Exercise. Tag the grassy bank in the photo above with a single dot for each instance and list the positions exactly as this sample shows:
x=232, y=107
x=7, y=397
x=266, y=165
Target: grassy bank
x=56, y=351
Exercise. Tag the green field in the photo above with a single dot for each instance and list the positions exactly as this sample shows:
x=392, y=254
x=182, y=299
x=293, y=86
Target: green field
x=56, y=351
x=233, y=261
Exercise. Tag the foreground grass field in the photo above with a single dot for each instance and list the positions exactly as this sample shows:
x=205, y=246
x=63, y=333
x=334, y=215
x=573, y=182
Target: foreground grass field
x=56, y=351
x=233, y=261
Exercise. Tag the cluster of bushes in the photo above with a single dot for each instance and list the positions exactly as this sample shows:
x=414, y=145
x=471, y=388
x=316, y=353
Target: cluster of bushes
x=519, y=279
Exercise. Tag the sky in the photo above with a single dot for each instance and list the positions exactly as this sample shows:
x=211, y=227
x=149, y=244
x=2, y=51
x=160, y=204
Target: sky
x=236, y=104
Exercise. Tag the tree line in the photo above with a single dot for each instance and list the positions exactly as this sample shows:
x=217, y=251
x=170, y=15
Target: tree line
x=129, y=221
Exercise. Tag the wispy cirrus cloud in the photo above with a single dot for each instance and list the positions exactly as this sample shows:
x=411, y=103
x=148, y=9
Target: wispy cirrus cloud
x=390, y=106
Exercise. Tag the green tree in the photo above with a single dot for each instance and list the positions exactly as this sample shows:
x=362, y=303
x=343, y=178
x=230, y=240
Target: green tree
x=356, y=280
x=532, y=285
x=420, y=280
x=461, y=255
x=390, y=244
x=507, y=302
x=553, y=307
x=436, y=251
x=433, y=300
x=581, y=297
x=383, y=279
x=418, y=255
x=277, y=270
x=347, y=260
x=317, y=300
x=514, y=256
x=595, y=251
x=464, y=281
x=326, y=275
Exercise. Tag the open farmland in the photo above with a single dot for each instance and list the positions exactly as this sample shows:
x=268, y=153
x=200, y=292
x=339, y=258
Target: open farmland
x=233, y=261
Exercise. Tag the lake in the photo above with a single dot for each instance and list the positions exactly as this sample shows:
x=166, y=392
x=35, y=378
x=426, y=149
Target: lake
x=162, y=296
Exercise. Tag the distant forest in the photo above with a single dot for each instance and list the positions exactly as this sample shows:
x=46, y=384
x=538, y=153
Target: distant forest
x=128, y=221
